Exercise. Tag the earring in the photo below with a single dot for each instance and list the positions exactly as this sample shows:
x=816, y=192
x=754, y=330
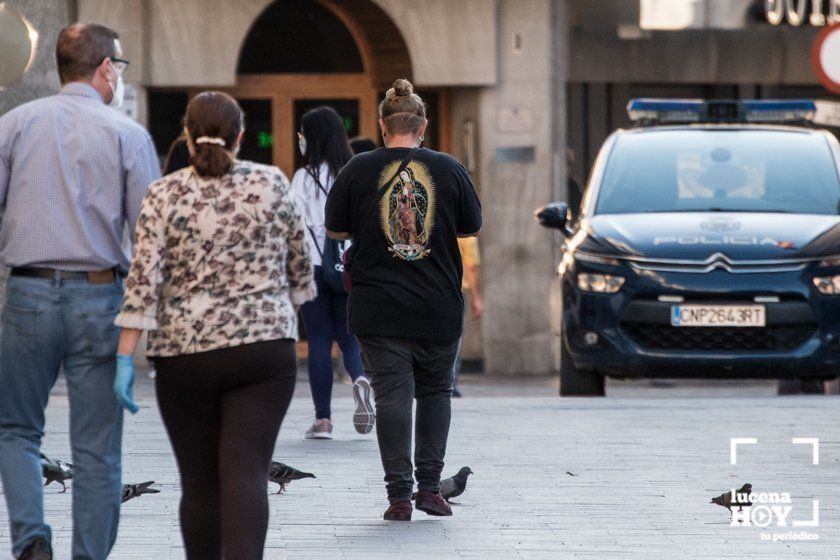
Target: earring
x=422, y=138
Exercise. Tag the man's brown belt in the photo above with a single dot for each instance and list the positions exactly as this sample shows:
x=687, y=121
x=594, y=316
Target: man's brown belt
x=95, y=277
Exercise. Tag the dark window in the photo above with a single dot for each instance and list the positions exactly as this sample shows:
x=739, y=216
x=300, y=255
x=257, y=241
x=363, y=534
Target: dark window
x=166, y=114
x=258, y=139
x=299, y=36
x=166, y=122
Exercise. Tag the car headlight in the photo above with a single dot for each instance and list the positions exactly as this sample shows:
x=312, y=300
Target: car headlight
x=602, y=283
x=597, y=259
x=830, y=261
x=828, y=285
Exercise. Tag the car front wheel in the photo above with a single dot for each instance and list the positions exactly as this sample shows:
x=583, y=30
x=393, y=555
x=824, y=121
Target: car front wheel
x=577, y=383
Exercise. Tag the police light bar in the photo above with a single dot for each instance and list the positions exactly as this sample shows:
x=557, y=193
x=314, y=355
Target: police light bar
x=698, y=110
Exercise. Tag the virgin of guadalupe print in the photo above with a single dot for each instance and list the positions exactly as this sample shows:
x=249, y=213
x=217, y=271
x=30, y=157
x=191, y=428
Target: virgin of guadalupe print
x=407, y=210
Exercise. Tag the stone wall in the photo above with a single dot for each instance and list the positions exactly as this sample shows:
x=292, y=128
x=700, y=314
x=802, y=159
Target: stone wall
x=518, y=148
x=48, y=17
x=450, y=42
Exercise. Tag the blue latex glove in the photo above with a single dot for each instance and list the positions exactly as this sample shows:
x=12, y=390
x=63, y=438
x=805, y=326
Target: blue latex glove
x=124, y=382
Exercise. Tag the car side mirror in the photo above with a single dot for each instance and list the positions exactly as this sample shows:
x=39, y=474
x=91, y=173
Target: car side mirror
x=554, y=216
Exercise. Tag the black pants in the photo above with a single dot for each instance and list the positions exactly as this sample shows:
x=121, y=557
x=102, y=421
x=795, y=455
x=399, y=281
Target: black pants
x=222, y=410
x=400, y=370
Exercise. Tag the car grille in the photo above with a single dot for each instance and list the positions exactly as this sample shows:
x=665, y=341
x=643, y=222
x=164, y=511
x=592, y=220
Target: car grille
x=718, y=261
x=722, y=339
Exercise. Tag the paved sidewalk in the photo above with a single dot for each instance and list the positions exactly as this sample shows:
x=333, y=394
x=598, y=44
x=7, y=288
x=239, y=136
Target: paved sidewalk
x=642, y=472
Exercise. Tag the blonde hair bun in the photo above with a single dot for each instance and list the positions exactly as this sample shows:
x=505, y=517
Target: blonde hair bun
x=402, y=110
x=401, y=88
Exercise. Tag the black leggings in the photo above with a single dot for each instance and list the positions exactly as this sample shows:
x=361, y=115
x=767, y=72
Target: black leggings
x=222, y=410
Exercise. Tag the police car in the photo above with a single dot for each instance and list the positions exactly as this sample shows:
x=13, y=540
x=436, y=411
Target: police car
x=708, y=245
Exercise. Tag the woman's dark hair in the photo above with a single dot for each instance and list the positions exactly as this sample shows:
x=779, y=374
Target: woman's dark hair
x=178, y=156
x=362, y=144
x=326, y=140
x=214, y=115
x=402, y=110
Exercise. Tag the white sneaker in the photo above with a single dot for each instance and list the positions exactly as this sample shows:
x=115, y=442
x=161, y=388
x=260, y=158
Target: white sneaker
x=321, y=429
x=364, y=417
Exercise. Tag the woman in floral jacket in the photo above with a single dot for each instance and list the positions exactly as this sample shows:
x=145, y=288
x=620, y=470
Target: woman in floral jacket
x=220, y=267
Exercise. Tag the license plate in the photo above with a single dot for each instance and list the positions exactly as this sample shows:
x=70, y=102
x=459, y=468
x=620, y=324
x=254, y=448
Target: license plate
x=718, y=316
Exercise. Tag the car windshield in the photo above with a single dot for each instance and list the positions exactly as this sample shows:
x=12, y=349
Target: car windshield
x=731, y=170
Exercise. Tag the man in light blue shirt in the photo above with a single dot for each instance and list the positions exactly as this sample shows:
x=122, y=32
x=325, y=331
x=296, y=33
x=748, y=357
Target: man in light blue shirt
x=73, y=174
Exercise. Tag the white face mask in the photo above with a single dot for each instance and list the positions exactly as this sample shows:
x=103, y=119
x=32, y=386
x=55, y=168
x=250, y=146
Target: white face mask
x=118, y=91
x=302, y=146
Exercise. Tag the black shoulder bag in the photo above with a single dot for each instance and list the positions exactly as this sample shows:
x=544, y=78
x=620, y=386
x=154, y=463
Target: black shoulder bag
x=332, y=251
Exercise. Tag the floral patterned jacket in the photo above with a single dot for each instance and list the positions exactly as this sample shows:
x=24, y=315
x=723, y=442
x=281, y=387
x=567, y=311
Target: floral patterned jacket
x=217, y=262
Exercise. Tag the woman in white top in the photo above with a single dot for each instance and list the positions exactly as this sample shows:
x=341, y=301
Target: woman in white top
x=323, y=144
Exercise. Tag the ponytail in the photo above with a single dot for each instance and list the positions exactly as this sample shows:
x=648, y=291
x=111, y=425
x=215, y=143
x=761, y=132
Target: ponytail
x=214, y=121
x=211, y=160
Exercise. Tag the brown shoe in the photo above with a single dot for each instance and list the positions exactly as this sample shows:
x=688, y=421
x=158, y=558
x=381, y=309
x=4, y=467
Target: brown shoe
x=398, y=511
x=38, y=549
x=431, y=503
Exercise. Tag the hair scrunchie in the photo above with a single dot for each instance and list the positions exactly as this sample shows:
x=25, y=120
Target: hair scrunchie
x=210, y=140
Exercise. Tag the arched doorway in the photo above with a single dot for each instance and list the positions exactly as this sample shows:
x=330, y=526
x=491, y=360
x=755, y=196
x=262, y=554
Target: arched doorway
x=300, y=54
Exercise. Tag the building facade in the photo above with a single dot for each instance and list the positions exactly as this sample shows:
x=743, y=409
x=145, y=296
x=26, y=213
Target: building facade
x=489, y=69
x=727, y=49
x=510, y=84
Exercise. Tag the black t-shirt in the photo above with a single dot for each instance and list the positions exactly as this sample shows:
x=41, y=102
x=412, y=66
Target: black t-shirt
x=405, y=264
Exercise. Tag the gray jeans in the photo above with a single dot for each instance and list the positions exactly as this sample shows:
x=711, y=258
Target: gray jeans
x=402, y=369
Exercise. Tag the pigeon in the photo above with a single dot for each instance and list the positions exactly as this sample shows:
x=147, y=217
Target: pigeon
x=56, y=471
x=281, y=474
x=725, y=499
x=454, y=486
x=134, y=490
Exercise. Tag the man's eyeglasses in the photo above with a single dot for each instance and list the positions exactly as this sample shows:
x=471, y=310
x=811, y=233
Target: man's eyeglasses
x=120, y=64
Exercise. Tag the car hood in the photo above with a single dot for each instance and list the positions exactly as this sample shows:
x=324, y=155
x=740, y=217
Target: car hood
x=699, y=235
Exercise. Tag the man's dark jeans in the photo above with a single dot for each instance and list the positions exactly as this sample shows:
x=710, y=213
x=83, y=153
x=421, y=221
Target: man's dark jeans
x=50, y=325
x=401, y=369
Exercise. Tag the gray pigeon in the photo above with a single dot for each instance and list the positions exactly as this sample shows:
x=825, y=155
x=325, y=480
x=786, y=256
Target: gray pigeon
x=134, y=490
x=453, y=486
x=55, y=471
x=725, y=499
x=281, y=474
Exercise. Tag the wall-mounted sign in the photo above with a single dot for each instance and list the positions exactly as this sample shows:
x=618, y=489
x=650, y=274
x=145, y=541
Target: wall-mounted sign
x=515, y=154
x=18, y=40
x=130, y=103
x=828, y=113
x=799, y=12
x=825, y=57
x=674, y=15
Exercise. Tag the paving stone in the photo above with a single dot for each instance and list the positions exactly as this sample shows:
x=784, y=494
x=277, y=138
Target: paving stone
x=644, y=469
